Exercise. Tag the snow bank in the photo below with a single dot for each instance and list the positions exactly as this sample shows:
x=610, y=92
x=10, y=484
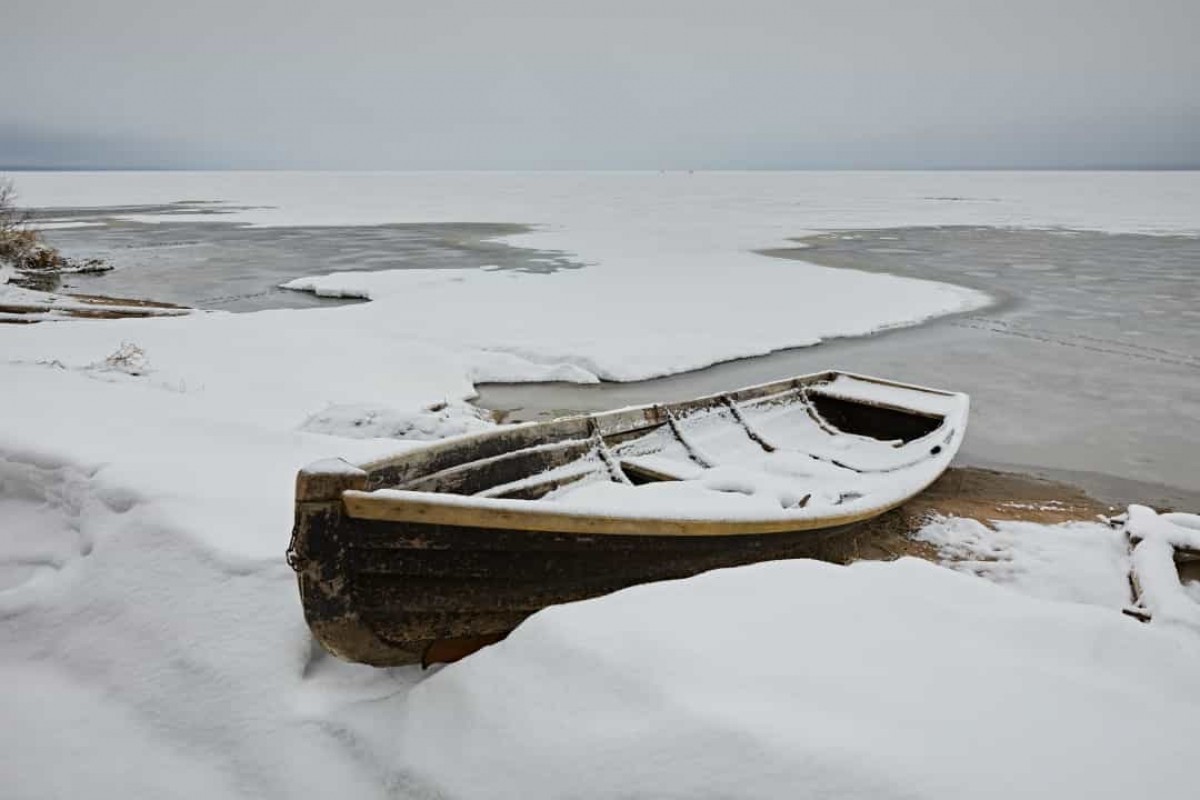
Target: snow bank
x=138, y=662
x=211, y=428
x=651, y=318
x=878, y=680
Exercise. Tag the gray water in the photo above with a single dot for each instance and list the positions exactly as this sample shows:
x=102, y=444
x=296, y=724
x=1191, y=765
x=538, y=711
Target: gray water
x=1087, y=368
x=226, y=266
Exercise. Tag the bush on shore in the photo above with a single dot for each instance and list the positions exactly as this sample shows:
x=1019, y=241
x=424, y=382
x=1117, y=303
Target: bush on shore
x=38, y=265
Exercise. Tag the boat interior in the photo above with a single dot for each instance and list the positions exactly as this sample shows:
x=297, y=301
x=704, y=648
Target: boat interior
x=821, y=440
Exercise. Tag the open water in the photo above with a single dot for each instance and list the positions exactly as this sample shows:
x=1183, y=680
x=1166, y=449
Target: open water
x=224, y=266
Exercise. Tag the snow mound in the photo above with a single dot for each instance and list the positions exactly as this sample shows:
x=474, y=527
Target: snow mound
x=128, y=359
x=642, y=317
x=438, y=421
x=1082, y=562
x=138, y=662
x=876, y=680
x=1156, y=538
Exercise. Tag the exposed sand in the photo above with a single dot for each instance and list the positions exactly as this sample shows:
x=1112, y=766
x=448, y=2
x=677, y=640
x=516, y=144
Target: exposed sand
x=980, y=494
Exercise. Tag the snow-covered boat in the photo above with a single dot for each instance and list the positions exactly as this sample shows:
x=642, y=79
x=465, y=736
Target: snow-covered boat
x=443, y=549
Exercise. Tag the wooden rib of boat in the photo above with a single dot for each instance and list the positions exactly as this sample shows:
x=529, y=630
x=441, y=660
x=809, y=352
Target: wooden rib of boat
x=440, y=550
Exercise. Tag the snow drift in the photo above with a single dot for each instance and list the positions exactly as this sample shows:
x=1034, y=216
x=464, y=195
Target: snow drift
x=801, y=678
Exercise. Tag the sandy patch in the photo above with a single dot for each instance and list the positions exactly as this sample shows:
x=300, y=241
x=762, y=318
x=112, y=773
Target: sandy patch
x=973, y=493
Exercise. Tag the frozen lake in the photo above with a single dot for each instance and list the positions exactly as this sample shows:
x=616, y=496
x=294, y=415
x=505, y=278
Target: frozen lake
x=1086, y=369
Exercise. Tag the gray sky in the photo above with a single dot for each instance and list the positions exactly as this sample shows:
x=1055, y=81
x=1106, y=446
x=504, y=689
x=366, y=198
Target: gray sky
x=532, y=84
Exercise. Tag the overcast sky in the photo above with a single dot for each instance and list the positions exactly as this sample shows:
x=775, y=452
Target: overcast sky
x=605, y=84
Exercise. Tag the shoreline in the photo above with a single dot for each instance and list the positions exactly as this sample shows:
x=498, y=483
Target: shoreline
x=523, y=401
x=191, y=254
x=984, y=495
x=1061, y=386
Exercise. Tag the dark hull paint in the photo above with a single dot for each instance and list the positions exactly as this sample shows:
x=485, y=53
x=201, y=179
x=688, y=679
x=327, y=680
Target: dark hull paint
x=382, y=592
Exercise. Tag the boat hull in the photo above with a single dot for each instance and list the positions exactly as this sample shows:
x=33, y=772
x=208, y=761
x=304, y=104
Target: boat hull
x=386, y=593
x=442, y=549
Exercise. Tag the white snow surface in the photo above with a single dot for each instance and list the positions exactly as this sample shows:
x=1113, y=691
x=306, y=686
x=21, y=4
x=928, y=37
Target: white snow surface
x=151, y=638
x=641, y=316
x=1081, y=562
x=797, y=678
x=1156, y=537
x=437, y=421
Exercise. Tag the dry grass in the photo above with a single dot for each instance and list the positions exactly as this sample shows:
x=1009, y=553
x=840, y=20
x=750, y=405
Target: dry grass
x=16, y=237
x=38, y=264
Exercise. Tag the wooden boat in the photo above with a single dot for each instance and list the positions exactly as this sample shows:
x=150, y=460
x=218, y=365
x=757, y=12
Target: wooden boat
x=442, y=549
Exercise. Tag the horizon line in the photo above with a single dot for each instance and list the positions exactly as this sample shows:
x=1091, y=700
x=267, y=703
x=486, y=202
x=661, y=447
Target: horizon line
x=975, y=168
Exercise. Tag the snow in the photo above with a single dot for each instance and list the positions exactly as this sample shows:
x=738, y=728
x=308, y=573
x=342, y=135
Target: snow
x=153, y=642
x=354, y=285
x=894, y=680
x=1155, y=539
x=438, y=421
x=727, y=493
x=809, y=472
x=1078, y=562
x=692, y=319
x=1176, y=529
x=1083, y=562
x=620, y=209
x=98, y=736
x=932, y=401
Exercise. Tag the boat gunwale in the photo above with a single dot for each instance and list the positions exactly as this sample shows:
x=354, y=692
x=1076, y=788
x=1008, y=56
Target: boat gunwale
x=395, y=505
